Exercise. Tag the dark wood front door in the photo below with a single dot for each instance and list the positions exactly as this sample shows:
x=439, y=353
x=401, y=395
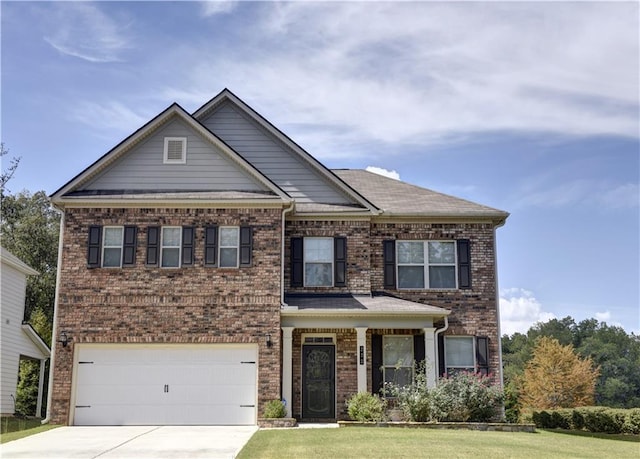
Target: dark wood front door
x=318, y=382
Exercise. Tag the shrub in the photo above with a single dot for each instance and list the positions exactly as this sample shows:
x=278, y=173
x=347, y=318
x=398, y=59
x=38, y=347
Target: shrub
x=415, y=399
x=593, y=418
x=275, y=409
x=465, y=397
x=632, y=421
x=366, y=407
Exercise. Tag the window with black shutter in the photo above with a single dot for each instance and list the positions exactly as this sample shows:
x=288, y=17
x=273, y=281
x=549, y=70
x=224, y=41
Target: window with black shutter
x=94, y=246
x=482, y=354
x=153, y=245
x=188, y=243
x=129, y=245
x=319, y=262
x=210, y=245
x=340, y=261
x=389, y=252
x=464, y=264
x=297, y=262
x=246, y=245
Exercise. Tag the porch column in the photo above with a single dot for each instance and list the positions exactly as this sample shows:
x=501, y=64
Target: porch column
x=361, y=356
x=287, y=369
x=430, y=356
x=40, y=388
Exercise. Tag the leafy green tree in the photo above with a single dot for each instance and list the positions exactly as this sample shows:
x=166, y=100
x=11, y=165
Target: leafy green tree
x=556, y=377
x=7, y=173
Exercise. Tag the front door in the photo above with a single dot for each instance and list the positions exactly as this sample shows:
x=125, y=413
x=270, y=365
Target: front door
x=318, y=382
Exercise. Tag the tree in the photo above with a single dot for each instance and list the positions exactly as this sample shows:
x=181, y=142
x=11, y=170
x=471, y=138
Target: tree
x=556, y=377
x=29, y=227
x=7, y=174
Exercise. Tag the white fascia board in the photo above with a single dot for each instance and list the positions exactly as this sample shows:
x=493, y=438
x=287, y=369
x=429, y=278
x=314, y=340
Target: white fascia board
x=11, y=260
x=33, y=336
x=65, y=203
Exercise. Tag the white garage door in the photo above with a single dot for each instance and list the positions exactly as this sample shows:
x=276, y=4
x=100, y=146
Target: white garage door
x=165, y=385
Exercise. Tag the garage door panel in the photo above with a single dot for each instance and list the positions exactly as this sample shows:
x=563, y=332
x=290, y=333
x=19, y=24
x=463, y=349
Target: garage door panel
x=182, y=385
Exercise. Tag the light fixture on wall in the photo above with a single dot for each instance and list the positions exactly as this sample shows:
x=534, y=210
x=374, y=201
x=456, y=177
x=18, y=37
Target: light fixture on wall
x=269, y=342
x=64, y=339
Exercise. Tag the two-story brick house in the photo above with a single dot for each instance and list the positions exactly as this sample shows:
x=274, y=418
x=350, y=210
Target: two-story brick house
x=209, y=264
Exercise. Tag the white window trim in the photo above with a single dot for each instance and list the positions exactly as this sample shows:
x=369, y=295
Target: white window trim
x=105, y=246
x=473, y=352
x=162, y=246
x=166, y=159
x=425, y=265
x=304, y=262
x=220, y=247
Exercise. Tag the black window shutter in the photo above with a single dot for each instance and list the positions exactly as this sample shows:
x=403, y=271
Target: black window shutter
x=297, y=261
x=246, y=245
x=482, y=354
x=376, y=364
x=464, y=264
x=129, y=246
x=210, y=245
x=340, y=261
x=188, y=241
x=95, y=246
x=153, y=243
x=441, y=363
x=418, y=348
x=389, y=251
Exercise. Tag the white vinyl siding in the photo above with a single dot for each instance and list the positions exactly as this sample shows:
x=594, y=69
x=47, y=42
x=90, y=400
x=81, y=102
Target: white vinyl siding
x=229, y=246
x=112, y=239
x=318, y=261
x=426, y=264
x=175, y=150
x=459, y=353
x=171, y=243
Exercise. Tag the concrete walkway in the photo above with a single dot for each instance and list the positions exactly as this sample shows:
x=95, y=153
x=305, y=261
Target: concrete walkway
x=139, y=442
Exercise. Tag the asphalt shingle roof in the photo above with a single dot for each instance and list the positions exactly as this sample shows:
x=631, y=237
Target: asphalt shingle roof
x=395, y=197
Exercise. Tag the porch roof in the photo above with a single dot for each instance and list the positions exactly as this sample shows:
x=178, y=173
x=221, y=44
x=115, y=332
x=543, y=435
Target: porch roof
x=358, y=310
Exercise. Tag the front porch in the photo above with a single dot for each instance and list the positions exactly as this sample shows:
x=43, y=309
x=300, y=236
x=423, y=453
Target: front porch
x=336, y=346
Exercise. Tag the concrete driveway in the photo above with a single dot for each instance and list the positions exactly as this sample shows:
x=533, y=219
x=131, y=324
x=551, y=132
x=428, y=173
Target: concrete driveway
x=140, y=442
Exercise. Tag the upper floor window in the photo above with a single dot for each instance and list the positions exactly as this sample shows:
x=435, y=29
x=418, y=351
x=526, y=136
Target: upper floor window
x=111, y=246
x=175, y=150
x=171, y=243
x=423, y=264
x=427, y=264
x=112, y=240
x=318, y=261
x=229, y=245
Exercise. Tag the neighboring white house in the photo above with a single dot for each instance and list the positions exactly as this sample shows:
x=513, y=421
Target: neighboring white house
x=18, y=339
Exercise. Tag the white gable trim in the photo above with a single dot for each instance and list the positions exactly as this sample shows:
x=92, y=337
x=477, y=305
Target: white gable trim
x=11, y=260
x=172, y=111
x=37, y=340
x=336, y=181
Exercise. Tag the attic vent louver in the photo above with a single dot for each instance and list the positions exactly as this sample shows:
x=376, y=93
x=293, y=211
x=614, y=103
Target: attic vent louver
x=175, y=150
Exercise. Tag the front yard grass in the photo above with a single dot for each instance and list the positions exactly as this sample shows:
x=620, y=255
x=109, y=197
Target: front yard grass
x=363, y=442
x=13, y=428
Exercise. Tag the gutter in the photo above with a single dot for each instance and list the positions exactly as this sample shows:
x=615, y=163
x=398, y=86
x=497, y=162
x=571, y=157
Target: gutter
x=438, y=331
x=54, y=343
x=282, y=253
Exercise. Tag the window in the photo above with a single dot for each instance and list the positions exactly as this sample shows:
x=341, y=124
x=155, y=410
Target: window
x=112, y=238
x=171, y=243
x=397, y=359
x=459, y=354
x=175, y=150
x=229, y=243
x=426, y=264
x=318, y=262
x=112, y=246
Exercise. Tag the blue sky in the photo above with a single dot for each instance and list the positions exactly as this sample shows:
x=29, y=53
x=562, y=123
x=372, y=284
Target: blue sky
x=532, y=108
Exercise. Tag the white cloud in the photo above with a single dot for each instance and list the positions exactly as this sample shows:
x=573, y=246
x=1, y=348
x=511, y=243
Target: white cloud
x=108, y=116
x=82, y=30
x=519, y=310
x=380, y=171
x=214, y=7
x=603, y=316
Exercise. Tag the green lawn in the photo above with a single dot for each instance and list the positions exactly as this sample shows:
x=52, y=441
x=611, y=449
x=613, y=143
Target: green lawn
x=365, y=442
x=13, y=428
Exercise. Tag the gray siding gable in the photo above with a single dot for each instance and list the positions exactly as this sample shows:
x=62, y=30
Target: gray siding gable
x=271, y=157
x=206, y=167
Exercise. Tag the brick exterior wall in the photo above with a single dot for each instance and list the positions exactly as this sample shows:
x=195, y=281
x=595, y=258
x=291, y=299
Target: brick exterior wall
x=194, y=304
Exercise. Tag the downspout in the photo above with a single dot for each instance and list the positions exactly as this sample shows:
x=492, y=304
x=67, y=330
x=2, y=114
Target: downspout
x=282, y=254
x=438, y=331
x=55, y=322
